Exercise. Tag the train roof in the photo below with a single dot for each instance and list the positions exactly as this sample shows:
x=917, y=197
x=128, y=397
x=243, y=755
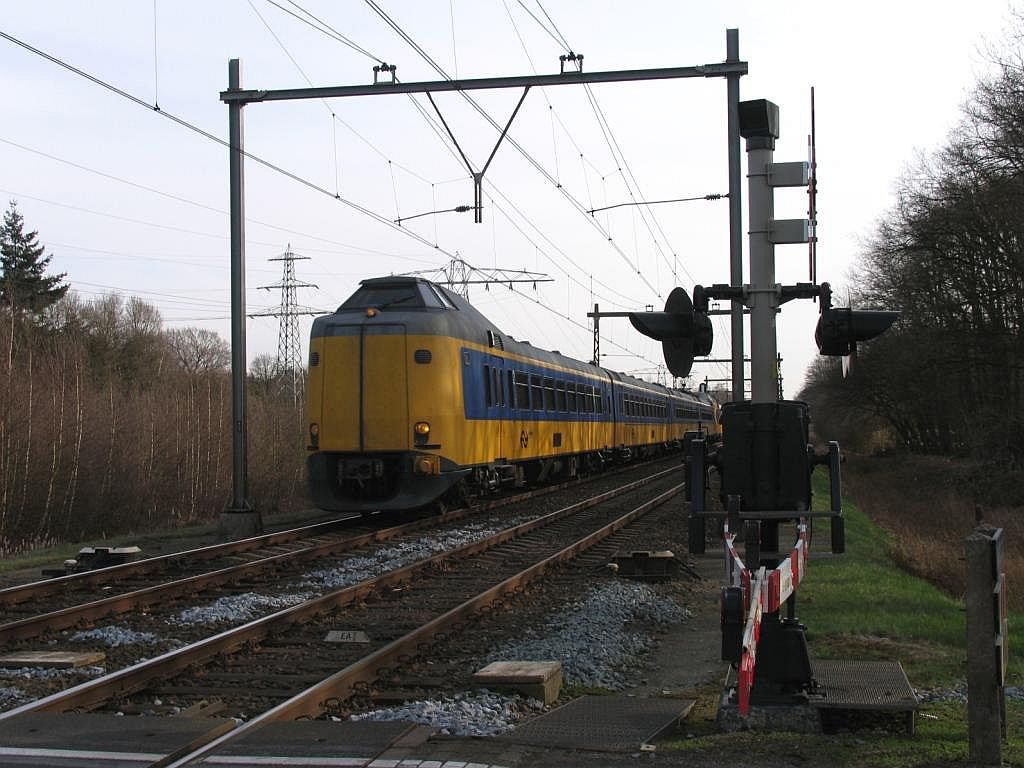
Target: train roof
x=430, y=309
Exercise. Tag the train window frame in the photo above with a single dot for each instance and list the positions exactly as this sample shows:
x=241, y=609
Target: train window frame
x=536, y=392
x=511, y=390
x=549, y=393
x=495, y=385
x=522, y=382
x=446, y=303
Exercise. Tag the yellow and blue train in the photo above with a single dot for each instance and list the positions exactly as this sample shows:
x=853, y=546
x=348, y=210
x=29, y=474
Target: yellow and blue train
x=415, y=396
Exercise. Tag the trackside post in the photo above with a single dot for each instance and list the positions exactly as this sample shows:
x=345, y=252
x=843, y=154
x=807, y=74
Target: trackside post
x=986, y=645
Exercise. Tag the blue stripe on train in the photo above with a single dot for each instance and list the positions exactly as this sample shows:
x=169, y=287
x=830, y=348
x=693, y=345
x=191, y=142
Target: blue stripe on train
x=489, y=393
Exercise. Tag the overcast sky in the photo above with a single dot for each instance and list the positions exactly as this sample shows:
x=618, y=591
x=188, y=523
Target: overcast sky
x=128, y=201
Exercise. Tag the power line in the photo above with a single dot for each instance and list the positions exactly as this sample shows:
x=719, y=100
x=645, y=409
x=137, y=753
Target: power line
x=327, y=29
x=614, y=147
x=529, y=158
x=206, y=134
x=432, y=124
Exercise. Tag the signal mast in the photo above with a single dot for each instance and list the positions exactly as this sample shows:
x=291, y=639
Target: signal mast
x=764, y=461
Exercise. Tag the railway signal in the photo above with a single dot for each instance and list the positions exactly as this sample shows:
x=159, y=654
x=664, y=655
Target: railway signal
x=685, y=332
x=840, y=328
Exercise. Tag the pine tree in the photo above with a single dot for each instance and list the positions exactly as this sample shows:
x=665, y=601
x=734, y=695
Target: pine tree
x=24, y=286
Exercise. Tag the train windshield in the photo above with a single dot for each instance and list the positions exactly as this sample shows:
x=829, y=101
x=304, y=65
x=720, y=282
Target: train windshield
x=399, y=295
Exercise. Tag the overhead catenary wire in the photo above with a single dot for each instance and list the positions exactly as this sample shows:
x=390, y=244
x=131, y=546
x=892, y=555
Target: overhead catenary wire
x=490, y=184
x=447, y=145
x=529, y=158
x=619, y=156
x=223, y=142
x=212, y=137
x=180, y=199
x=326, y=28
x=613, y=145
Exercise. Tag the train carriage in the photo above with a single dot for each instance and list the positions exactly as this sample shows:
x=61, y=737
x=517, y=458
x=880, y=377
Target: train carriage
x=413, y=393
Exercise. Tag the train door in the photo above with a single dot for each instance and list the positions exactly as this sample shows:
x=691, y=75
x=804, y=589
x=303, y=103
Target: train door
x=499, y=382
x=334, y=387
x=384, y=391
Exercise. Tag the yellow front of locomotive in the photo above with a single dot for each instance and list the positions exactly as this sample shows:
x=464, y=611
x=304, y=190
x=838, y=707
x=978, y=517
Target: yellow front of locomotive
x=378, y=397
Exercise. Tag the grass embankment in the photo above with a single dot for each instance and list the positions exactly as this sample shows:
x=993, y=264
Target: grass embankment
x=863, y=606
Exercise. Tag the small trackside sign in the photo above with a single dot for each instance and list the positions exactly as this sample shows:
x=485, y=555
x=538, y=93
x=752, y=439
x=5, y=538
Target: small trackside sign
x=347, y=636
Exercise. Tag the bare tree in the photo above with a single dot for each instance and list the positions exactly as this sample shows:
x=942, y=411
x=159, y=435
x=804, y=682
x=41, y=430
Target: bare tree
x=198, y=350
x=263, y=373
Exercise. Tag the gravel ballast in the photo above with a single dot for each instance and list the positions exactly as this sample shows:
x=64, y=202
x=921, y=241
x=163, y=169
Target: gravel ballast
x=599, y=640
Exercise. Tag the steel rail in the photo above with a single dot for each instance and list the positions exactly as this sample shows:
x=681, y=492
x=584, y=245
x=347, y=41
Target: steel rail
x=93, y=693
x=23, y=592
x=343, y=684
x=113, y=605
x=20, y=593
x=33, y=626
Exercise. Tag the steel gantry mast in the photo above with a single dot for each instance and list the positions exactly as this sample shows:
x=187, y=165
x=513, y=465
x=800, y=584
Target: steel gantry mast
x=240, y=518
x=459, y=274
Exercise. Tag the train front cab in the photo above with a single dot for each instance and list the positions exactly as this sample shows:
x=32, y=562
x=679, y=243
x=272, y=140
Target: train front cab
x=376, y=401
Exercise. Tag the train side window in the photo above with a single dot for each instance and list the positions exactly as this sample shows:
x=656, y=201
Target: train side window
x=488, y=392
x=570, y=396
x=511, y=391
x=536, y=393
x=588, y=398
x=549, y=394
x=522, y=390
x=560, y=395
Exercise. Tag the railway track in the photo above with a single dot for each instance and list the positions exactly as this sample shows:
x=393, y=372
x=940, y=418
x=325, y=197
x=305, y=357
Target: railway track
x=83, y=599
x=276, y=664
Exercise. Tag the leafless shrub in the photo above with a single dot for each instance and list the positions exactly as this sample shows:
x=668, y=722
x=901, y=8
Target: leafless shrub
x=99, y=436
x=930, y=504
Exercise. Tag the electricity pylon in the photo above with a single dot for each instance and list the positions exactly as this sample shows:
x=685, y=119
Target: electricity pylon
x=290, y=369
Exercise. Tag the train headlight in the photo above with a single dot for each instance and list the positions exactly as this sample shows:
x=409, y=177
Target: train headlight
x=314, y=435
x=421, y=431
x=371, y=312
